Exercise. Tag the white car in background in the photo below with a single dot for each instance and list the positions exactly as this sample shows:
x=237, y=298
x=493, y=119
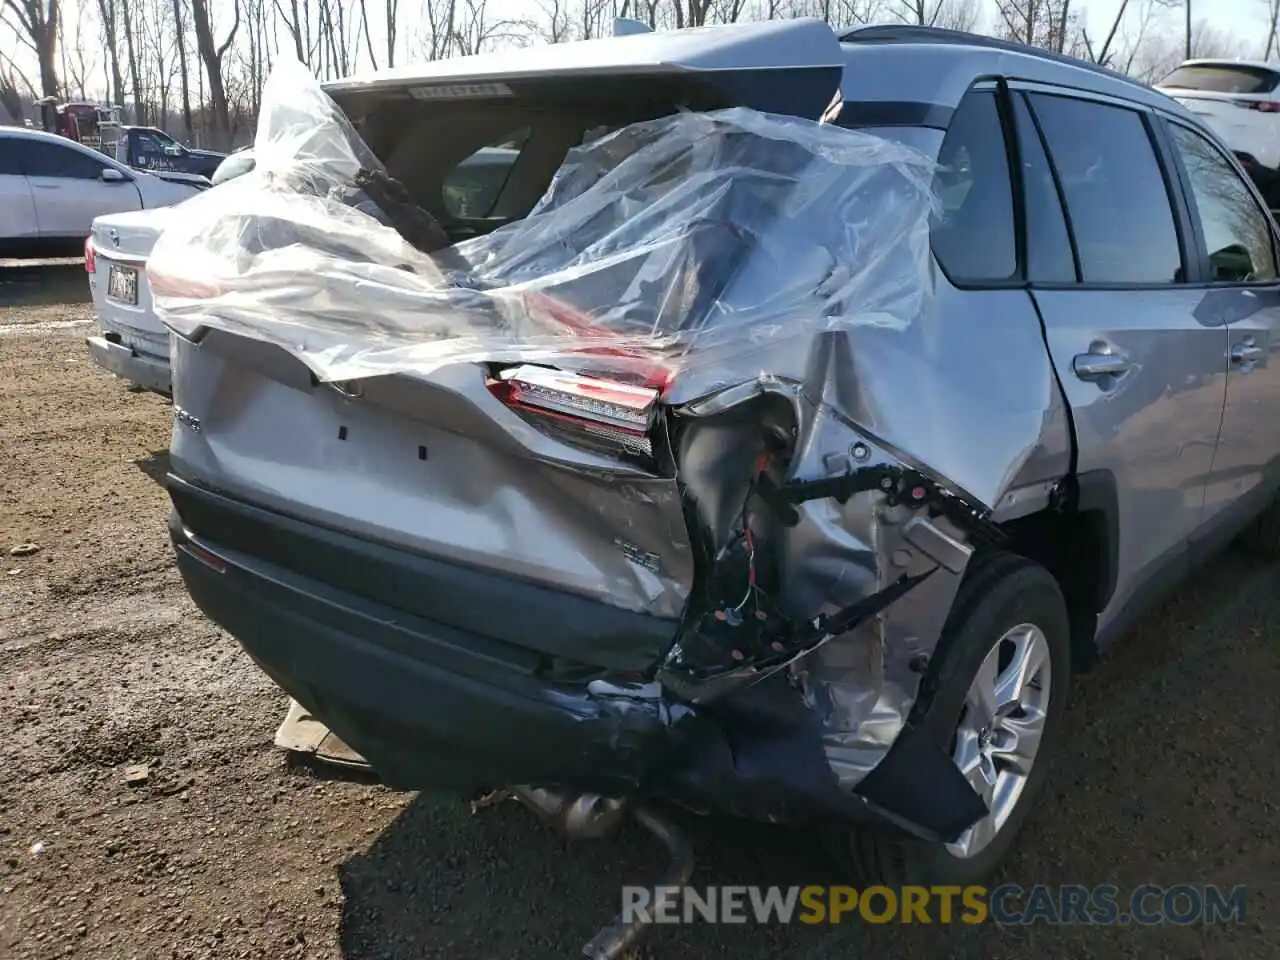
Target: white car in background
x=132, y=343
x=52, y=188
x=1240, y=101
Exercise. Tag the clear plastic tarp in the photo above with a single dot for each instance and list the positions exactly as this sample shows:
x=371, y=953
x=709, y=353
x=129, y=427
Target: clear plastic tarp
x=689, y=239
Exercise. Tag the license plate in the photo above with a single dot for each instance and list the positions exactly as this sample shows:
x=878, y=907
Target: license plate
x=122, y=284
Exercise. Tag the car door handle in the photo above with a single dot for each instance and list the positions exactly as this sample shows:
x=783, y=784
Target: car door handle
x=1095, y=365
x=1246, y=353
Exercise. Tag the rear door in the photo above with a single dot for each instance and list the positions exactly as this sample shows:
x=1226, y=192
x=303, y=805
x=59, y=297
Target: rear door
x=1237, y=238
x=17, y=209
x=1142, y=360
x=68, y=189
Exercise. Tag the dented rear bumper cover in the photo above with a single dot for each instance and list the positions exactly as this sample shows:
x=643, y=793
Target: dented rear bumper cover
x=429, y=704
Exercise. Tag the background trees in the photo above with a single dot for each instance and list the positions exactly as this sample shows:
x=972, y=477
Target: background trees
x=196, y=67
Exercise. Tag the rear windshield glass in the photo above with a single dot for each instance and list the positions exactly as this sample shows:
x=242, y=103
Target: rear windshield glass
x=1223, y=79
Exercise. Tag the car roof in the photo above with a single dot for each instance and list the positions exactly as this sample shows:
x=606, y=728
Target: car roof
x=803, y=42
x=28, y=133
x=885, y=63
x=933, y=65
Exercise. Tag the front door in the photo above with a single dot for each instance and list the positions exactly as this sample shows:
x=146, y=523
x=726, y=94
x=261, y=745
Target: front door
x=1142, y=363
x=1239, y=241
x=68, y=190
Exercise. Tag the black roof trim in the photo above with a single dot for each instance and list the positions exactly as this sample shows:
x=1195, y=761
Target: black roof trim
x=909, y=33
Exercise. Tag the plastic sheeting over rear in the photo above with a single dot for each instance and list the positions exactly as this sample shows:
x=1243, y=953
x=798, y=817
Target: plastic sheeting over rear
x=696, y=241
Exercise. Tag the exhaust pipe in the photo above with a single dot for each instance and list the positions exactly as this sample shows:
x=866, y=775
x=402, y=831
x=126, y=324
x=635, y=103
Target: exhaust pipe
x=591, y=816
x=623, y=934
x=587, y=816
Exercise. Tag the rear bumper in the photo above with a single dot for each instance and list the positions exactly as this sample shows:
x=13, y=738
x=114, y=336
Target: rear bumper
x=432, y=705
x=426, y=703
x=125, y=362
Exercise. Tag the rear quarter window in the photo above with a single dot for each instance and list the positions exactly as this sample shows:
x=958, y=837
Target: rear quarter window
x=1223, y=79
x=974, y=237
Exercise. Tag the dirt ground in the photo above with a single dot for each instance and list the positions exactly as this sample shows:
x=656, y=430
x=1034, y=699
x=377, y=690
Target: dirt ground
x=230, y=850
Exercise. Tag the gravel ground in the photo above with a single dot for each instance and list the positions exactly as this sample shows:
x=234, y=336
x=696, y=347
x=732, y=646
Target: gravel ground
x=227, y=849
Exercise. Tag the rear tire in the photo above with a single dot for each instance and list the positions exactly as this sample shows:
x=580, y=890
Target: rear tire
x=1003, y=596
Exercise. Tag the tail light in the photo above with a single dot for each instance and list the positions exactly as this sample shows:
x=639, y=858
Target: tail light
x=1262, y=106
x=591, y=408
x=90, y=257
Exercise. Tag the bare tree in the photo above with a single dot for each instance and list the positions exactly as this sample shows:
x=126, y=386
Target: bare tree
x=1273, y=15
x=16, y=90
x=212, y=55
x=35, y=23
x=947, y=14
x=110, y=39
x=76, y=69
x=393, y=14
x=1038, y=23
x=180, y=36
x=368, y=37
x=556, y=26
x=139, y=98
x=157, y=39
x=257, y=59
x=293, y=23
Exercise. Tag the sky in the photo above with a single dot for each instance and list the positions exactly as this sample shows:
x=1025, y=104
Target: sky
x=1243, y=18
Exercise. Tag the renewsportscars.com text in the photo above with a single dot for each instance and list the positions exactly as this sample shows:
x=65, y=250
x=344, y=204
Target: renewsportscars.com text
x=1010, y=904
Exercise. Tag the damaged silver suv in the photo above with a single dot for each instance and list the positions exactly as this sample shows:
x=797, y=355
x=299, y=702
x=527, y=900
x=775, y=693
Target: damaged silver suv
x=775, y=436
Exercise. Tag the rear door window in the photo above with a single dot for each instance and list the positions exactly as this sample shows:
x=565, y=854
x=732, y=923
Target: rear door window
x=1049, y=255
x=1223, y=78
x=1237, y=232
x=1115, y=191
x=974, y=237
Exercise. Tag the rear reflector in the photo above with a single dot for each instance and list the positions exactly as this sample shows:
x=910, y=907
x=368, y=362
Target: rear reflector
x=208, y=558
x=90, y=258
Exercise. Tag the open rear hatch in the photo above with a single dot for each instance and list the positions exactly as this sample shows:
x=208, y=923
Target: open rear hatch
x=526, y=495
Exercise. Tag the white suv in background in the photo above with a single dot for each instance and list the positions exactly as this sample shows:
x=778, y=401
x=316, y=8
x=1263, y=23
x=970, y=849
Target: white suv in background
x=1240, y=101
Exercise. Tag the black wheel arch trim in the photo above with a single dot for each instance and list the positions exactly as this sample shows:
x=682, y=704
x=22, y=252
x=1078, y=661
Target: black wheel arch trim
x=1096, y=493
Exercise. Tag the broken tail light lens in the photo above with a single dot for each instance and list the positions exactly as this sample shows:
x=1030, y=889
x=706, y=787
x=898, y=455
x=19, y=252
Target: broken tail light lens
x=90, y=257
x=619, y=414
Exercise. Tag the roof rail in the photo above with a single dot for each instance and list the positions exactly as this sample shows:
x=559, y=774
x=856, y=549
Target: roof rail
x=909, y=33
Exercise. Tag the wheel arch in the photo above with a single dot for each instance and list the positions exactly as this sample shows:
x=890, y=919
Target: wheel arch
x=1077, y=539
